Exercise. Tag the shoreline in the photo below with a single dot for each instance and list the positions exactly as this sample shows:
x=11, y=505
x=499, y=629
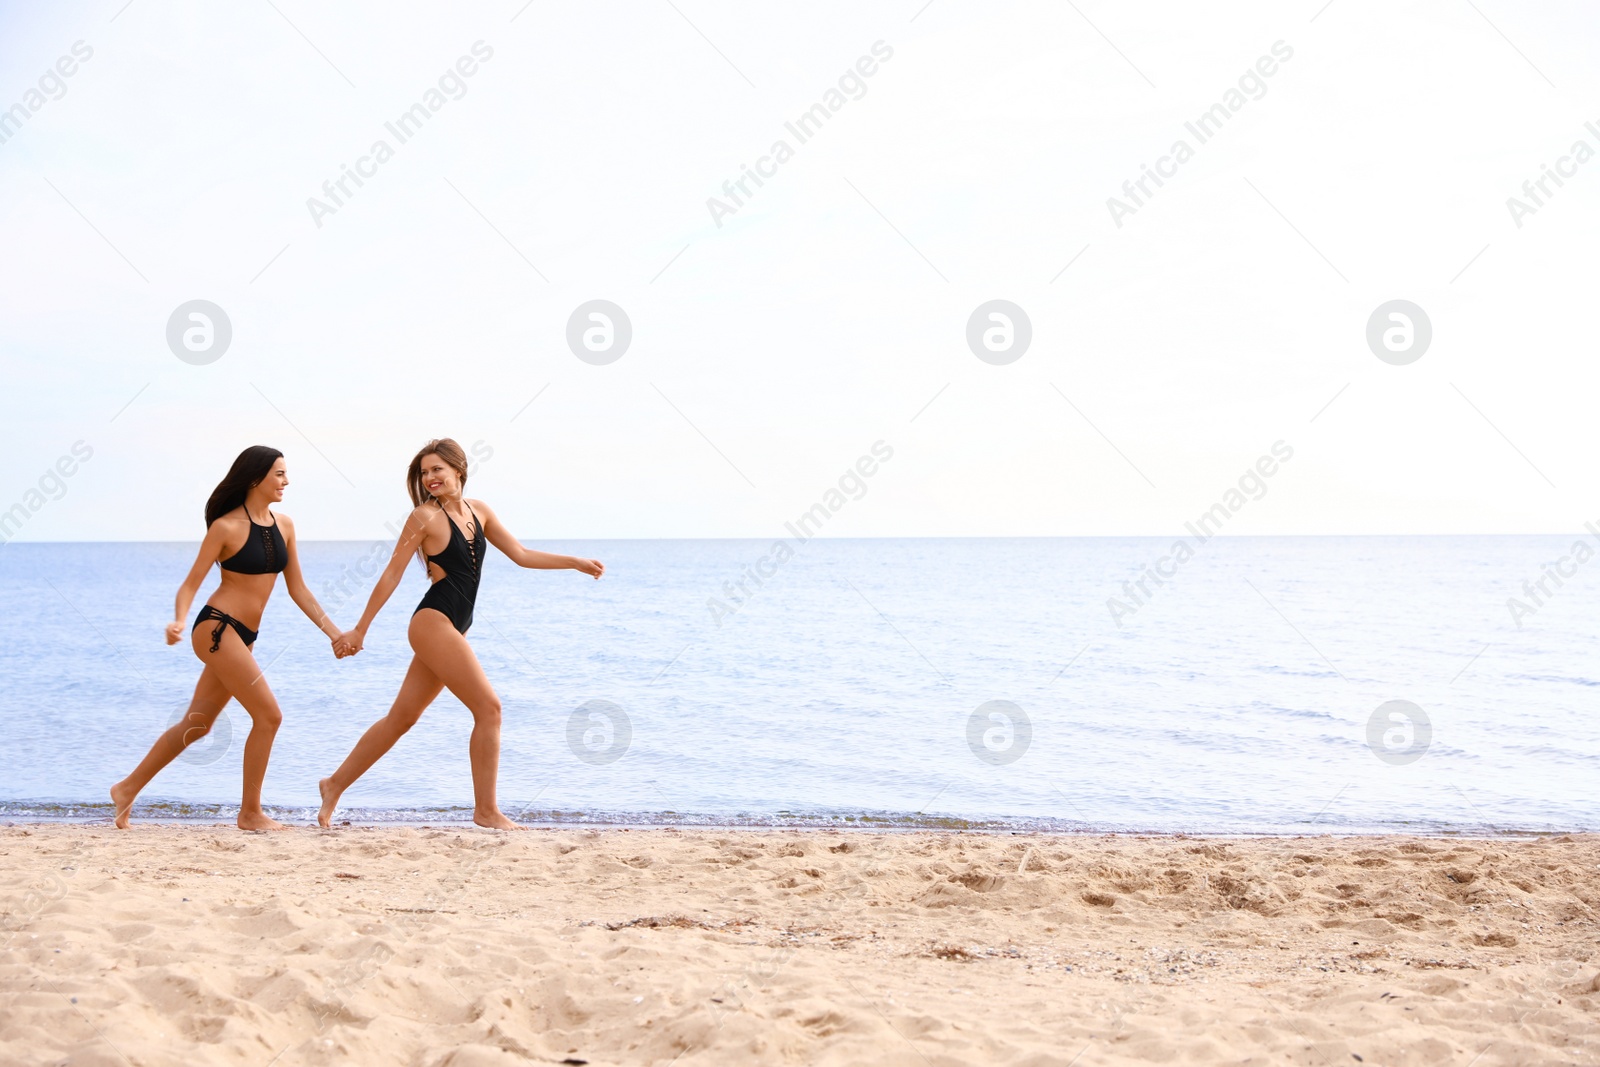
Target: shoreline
x=199, y=944
x=104, y=821
x=183, y=813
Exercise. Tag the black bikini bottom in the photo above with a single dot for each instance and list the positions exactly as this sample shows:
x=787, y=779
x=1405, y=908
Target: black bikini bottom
x=247, y=635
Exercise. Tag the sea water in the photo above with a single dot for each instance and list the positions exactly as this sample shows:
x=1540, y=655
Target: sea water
x=1276, y=684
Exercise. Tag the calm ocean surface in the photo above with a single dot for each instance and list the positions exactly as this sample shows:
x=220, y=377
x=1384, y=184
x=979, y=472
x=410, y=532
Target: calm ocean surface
x=850, y=686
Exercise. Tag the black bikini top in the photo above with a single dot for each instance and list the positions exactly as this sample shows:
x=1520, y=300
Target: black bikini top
x=264, y=551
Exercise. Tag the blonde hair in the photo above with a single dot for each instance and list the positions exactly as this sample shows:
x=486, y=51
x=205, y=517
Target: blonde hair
x=446, y=449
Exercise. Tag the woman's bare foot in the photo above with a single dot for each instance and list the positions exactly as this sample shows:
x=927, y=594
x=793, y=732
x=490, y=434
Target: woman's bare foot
x=258, y=820
x=330, y=800
x=122, y=803
x=495, y=820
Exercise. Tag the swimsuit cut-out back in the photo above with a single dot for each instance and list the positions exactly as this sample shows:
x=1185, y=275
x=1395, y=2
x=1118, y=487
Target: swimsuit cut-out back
x=462, y=563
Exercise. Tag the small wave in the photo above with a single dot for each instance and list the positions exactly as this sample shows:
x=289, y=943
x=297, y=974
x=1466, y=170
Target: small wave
x=170, y=811
x=1561, y=678
x=180, y=812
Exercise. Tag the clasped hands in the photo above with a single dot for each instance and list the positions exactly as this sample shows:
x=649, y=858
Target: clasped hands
x=347, y=644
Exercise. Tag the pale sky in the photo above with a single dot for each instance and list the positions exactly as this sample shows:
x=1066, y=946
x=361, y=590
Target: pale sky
x=830, y=310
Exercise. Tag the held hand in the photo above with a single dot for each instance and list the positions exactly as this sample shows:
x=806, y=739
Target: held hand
x=348, y=643
x=174, y=631
x=591, y=567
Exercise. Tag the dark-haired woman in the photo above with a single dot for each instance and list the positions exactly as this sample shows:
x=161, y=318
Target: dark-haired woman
x=252, y=545
x=451, y=534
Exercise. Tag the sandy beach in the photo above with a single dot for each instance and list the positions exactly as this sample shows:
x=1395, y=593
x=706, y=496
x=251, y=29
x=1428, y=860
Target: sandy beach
x=191, y=944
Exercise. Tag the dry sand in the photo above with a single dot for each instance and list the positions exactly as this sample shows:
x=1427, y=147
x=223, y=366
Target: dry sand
x=452, y=946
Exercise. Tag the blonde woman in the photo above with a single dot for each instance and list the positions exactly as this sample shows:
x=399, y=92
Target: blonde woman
x=451, y=535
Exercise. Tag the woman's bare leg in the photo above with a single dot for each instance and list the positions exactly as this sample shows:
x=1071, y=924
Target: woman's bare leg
x=447, y=654
x=416, y=693
x=210, y=695
x=234, y=666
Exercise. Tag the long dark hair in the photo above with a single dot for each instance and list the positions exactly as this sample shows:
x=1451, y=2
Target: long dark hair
x=253, y=464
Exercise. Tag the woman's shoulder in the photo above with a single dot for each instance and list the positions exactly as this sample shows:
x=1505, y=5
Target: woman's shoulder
x=229, y=521
x=423, y=514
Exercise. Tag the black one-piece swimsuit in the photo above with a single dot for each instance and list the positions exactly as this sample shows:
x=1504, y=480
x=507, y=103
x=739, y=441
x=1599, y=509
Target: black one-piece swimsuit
x=461, y=561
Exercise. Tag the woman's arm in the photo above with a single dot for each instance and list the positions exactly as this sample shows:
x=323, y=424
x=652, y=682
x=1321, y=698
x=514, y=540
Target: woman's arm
x=532, y=558
x=210, y=551
x=299, y=592
x=410, y=540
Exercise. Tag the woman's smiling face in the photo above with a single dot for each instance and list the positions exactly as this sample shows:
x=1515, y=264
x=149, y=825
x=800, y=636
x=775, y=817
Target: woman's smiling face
x=439, y=478
x=275, y=482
